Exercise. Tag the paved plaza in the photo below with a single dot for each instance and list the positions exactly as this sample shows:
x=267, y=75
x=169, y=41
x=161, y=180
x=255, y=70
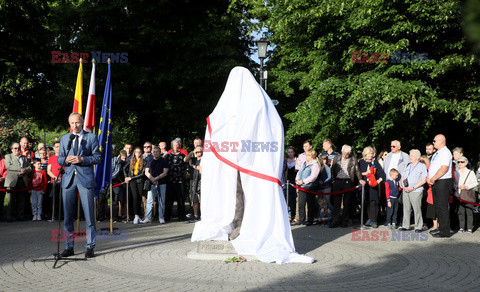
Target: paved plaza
x=153, y=257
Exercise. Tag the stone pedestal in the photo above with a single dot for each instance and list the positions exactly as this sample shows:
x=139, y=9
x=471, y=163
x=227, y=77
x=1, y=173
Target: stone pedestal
x=213, y=247
x=214, y=250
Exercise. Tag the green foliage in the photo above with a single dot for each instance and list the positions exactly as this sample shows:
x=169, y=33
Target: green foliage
x=12, y=130
x=179, y=56
x=370, y=103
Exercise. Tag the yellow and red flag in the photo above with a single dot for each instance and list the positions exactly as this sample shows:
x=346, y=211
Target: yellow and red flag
x=77, y=102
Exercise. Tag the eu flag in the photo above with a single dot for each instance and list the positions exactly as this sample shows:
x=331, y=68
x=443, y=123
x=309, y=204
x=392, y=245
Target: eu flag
x=103, y=171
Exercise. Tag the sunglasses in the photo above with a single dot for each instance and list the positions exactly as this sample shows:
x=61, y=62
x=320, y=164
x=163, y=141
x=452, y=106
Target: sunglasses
x=147, y=146
x=198, y=152
x=461, y=162
x=15, y=148
x=393, y=146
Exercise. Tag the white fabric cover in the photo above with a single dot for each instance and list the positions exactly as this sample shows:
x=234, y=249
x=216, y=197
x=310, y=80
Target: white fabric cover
x=246, y=113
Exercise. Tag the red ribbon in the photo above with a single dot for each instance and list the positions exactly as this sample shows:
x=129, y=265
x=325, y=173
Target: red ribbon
x=40, y=185
x=22, y=190
x=239, y=168
x=475, y=204
x=324, y=194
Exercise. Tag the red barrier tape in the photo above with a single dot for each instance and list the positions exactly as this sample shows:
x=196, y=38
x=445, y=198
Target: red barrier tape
x=119, y=184
x=21, y=190
x=475, y=204
x=40, y=185
x=239, y=168
x=324, y=194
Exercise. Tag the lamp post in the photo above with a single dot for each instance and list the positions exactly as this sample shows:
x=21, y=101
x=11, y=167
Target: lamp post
x=262, y=45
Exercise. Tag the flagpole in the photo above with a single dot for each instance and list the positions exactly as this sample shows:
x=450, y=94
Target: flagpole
x=111, y=209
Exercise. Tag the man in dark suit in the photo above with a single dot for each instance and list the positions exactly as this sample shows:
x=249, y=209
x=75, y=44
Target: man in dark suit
x=79, y=176
x=18, y=169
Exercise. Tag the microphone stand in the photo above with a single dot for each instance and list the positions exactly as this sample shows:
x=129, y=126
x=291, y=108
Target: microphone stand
x=57, y=256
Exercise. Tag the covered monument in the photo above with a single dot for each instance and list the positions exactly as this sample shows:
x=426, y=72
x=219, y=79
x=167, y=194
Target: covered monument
x=241, y=170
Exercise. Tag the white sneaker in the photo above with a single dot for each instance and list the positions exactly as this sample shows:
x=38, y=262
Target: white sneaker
x=161, y=220
x=136, y=220
x=39, y=218
x=34, y=218
x=146, y=220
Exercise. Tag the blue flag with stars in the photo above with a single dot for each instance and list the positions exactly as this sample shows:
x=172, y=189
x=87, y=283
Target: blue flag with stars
x=103, y=171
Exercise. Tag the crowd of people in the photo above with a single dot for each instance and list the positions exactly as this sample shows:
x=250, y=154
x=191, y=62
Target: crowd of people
x=148, y=180
x=149, y=176
x=393, y=184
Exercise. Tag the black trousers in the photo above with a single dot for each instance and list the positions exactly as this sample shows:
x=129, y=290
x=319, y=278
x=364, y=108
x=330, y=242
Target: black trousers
x=441, y=193
x=136, y=189
x=175, y=192
x=16, y=202
x=465, y=209
x=2, y=200
x=307, y=199
x=340, y=185
x=292, y=201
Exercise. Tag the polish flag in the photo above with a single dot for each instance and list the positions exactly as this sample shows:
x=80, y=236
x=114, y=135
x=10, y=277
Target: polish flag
x=90, y=110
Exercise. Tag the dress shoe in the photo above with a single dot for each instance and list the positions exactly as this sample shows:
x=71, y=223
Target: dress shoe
x=418, y=230
x=308, y=224
x=89, y=253
x=334, y=225
x=441, y=235
x=403, y=229
x=66, y=253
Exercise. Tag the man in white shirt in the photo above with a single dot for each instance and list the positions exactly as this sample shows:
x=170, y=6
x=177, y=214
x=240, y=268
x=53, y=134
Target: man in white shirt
x=440, y=177
x=396, y=159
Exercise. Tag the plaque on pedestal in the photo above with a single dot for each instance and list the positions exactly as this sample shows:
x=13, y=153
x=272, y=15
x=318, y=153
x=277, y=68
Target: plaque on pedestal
x=219, y=247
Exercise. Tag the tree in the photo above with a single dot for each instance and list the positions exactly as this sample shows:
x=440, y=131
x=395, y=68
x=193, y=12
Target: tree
x=328, y=52
x=179, y=56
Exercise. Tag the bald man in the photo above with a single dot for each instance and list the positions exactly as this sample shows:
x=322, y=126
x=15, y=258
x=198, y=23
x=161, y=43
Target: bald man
x=440, y=178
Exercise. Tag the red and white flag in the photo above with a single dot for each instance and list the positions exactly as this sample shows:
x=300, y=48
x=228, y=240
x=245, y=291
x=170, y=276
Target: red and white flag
x=90, y=110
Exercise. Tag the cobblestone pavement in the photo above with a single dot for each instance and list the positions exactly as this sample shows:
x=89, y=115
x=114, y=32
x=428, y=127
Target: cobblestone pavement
x=154, y=257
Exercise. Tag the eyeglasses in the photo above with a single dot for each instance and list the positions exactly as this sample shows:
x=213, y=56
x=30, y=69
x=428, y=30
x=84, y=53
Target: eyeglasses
x=461, y=162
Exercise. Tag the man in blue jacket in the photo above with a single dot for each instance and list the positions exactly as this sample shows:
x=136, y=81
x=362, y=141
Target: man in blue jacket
x=79, y=176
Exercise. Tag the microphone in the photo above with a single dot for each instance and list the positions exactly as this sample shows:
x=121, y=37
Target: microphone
x=72, y=137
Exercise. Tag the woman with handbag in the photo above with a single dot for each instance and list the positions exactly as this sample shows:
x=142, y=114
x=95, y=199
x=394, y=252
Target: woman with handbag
x=465, y=182
x=372, y=172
